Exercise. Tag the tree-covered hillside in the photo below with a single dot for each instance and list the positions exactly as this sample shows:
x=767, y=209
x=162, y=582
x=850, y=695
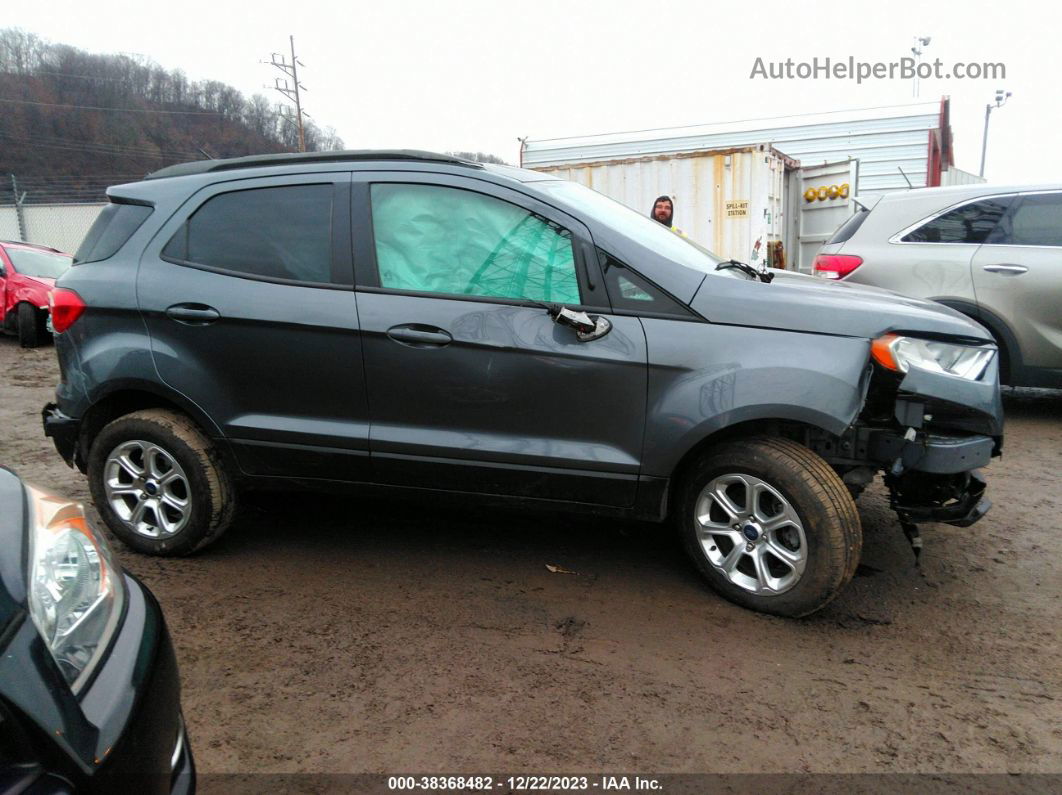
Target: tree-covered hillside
x=69, y=114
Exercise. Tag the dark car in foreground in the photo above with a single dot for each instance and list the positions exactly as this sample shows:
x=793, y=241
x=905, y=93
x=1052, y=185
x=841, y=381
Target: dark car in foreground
x=408, y=321
x=89, y=693
x=27, y=275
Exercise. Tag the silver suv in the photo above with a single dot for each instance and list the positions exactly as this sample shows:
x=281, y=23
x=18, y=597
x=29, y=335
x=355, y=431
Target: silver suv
x=992, y=252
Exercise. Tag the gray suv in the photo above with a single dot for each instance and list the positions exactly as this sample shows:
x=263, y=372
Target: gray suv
x=409, y=321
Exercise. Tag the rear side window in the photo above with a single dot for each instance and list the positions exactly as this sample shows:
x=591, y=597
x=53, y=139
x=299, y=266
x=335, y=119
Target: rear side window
x=1035, y=221
x=848, y=228
x=970, y=223
x=109, y=232
x=282, y=233
x=436, y=239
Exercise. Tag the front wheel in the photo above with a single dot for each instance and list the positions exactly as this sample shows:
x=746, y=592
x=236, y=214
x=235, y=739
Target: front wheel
x=159, y=484
x=770, y=526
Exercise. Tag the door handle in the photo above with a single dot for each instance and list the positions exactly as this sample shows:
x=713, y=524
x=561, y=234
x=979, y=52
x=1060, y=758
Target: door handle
x=1007, y=270
x=416, y=335
x=193, y=314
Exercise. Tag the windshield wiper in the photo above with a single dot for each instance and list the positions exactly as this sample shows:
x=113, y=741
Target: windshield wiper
x=763, y=275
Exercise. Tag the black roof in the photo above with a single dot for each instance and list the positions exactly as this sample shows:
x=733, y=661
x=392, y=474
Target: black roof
x=294, y=158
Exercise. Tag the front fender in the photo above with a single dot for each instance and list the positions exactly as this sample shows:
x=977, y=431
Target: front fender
x=705, y=377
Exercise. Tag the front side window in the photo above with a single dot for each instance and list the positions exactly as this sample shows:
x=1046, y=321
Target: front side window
x=272, y=233
x=970, y=223
x=436, y=239
x=1036, y=221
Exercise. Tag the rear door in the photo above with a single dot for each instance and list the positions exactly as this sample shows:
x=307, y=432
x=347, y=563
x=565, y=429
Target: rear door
x=472, y=385
x=248, y=296
x=1017, y=276
x=933, y=258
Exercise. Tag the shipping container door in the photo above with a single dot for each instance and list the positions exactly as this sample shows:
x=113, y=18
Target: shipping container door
x=825, y=202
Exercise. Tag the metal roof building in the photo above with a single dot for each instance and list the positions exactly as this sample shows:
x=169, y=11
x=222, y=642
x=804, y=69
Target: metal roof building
x=889, y=143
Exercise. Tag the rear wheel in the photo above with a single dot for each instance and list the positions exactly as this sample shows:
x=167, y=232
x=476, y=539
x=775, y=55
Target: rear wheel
x=30, y=326
x=159, y=484
x=770, y=526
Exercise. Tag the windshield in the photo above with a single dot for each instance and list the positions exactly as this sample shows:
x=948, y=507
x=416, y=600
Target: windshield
x=43, y=264
x=640, y=228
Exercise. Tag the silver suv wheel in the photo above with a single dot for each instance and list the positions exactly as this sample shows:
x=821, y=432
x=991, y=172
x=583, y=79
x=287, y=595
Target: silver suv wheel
x=751, y=534
x=147, y=489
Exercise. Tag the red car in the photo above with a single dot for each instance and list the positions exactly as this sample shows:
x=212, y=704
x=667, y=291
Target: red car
x=27, y=275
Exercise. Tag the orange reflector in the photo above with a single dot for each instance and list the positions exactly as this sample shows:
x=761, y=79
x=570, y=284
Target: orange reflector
x=882, y=352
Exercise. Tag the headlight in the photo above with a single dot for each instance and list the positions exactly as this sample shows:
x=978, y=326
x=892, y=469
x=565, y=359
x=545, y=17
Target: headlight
x=901, y=353
x=76, y=591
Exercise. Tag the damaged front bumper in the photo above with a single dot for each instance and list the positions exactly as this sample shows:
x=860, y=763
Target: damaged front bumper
x=956, y=499
x=953, y=427
x=941, y=431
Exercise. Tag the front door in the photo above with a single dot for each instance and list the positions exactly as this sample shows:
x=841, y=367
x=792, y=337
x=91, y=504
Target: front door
x=472, y=385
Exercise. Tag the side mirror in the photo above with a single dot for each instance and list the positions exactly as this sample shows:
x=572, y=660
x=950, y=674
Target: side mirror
x=587, y=328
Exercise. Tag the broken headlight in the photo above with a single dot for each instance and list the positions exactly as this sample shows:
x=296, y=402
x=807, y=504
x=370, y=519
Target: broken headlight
x=900, y=353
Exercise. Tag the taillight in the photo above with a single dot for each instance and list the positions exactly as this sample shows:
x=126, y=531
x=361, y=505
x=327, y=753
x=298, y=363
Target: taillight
x=66, y=306
x=836, y=266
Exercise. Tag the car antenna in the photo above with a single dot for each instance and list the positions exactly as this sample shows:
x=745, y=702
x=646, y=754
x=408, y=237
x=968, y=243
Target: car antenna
x=909, y=185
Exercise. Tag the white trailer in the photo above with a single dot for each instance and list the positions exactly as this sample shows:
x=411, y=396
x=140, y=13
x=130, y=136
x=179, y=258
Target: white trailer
x=784, y=183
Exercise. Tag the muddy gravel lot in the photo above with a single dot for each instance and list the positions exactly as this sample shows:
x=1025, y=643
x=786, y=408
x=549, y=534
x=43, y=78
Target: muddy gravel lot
x=339, y=634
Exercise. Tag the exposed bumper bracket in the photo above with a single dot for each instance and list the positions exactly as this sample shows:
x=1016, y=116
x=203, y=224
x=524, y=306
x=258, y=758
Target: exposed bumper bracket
x=63, y=431
x=956, y=500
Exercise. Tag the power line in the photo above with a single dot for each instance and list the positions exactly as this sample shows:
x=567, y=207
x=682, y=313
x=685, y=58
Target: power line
x=117, y=110
x=80, y=77
x=80, y=177
x=100, y=149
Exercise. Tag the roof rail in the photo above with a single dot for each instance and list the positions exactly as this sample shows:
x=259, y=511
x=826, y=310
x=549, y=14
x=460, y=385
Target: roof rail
x=295, y=158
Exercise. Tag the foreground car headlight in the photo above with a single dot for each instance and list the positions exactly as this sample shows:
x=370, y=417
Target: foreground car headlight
x=901, y=353
x=76, y=591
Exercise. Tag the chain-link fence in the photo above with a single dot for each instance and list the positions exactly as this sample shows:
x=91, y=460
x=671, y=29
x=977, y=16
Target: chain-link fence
x=53, y=211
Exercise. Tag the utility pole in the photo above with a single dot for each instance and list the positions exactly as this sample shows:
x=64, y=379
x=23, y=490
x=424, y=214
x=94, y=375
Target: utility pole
x=290, y=91
x=919, y=42
x=1001, y=100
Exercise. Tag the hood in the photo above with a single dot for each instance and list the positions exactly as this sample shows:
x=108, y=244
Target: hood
x=798, y=302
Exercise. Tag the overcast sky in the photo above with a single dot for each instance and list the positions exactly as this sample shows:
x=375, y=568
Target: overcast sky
x=476, y=75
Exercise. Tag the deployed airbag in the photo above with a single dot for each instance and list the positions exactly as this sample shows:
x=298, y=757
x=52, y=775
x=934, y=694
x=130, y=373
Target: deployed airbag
x=443, y=240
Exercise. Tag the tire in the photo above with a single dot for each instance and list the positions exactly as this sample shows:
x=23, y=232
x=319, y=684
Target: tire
x=30, y=326
x=804, y=531
x=159, y=460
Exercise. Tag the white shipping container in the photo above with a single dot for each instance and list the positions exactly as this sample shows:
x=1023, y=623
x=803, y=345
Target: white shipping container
x=725, y=200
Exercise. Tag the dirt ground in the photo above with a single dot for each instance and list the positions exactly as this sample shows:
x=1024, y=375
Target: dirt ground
x=337, y=634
